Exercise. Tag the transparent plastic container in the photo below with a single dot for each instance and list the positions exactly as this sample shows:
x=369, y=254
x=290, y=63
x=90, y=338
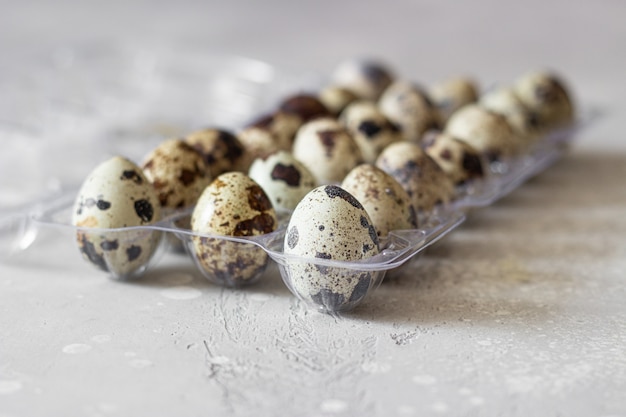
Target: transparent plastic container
x=234, y=90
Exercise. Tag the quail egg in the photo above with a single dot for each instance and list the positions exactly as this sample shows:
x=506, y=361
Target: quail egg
x=117, y=195
x=326, y=148
x=284, y=179
x=406, y=105
x=450, y=95
x=424, y=181
x=232, y=205
x=504, y=101
x=336, y=98
x=486, y=131
x=546, y=94
x=458, y=159
x=387, y=203
x=329, y=224
x=221, y=150
x=371, y=130
x=366, y=78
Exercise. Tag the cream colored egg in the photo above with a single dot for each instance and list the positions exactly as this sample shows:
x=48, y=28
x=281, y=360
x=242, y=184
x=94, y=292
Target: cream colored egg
x=458, y=159
x=406, y=105
x=221, y=150
x=451, y=94
x=424, y=181
x=366, y=78
x=329, y=224
x=504, y=101
x=336, y=98
x=284, y=179
x=326, y=148
x=177, y=172
x=117, y=195
x=486, y=131
x=369, y=127
x=387, y=203
x=232, y=205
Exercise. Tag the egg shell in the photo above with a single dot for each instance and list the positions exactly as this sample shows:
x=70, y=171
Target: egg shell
x=410, y=108
x=232, y=205
x=366, y=78
x=336, y=98
x=329, y=224
x=488, y=132
x=327, y=149
x=116, y=194
x=369, y=127
x=451, y=94
x=387, y=203
x=221, y=150
x=259, y=142
x=423, y=180
x=545, y=93
x=504, y=101
x=284, y=179
x=178, y=173
x=458, y=159
x=281, y=125
x=305, y=106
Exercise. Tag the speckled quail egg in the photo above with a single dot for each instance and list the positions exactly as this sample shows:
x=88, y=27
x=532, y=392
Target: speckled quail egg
x=406, y=105
x=329, y=224
x=232, y=205
x=221, y=150
x=366, y=78
x=117, y=195
x=326, y=148
x=178, y=173
x=424, y=181
x=258, y=141
x=336, y=98
x=458, y=159
x=284, y=179
x=486, y=131
x=504, y=101
x=282, y=125
x=546, y=94
x=450, y=95
x=306, y=106
x=371, y=130
x=387, y=203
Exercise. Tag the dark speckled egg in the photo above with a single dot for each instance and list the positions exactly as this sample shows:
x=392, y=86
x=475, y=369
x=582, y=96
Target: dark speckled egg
x=232, y=205
x=116, y=195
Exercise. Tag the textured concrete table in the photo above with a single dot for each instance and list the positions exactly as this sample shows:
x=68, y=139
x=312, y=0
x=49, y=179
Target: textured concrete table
x=521, y=311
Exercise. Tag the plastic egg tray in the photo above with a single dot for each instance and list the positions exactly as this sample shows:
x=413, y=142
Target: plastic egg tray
x=20, y=226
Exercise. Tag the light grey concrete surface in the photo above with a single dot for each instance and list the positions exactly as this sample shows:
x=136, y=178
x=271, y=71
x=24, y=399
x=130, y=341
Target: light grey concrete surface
x=519, y=312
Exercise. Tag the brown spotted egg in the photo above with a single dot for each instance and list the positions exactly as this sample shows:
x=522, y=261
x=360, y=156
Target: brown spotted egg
x=305, y=106
x=232, y=205
x=221, y=150
x=450, y=95
x=329, y=224
x=117, y=195
x=366, y=78
x=336, y=98
x=284, y=179
x=406, y=105
x=546, y=94
x=504, y=101
x=387, y=203
x=458, y=159
x=487, y=131
x=326, y=148
x=178, y=173
x=369, y=127
x=425, y=182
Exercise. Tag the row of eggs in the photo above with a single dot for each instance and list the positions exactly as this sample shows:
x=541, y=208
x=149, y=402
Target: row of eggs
x=383, y=182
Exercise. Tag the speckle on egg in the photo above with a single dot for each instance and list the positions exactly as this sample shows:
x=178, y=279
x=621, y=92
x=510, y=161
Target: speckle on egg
x=232, y=205
x=504, y=100
x=366, y=78
x=329, y=224
x=546, y=94
x=450, y=95
x=458, y=159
